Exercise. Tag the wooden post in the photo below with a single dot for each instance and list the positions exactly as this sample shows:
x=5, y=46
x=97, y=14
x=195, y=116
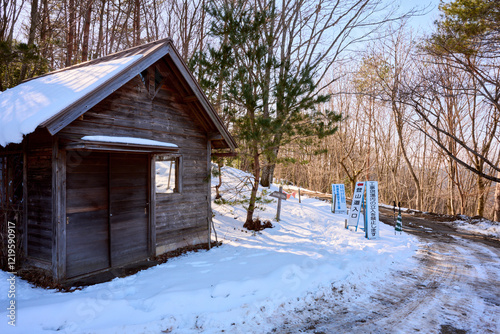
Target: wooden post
x=58, y=212
x=25, y=201
x=279, y=205
x=152, y=206
x=300, y=201
x=209, y=194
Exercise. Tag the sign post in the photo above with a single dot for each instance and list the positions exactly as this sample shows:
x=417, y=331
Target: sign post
x=338, y=199
x=372, y=213
x=398, y=227
x=280, y=195
x=399, y=224
x=357, y=202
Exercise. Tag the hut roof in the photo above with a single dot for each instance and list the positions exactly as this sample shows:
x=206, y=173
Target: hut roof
x=56, y=99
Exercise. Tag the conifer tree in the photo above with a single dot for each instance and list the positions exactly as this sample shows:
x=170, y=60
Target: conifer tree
x=267, y=107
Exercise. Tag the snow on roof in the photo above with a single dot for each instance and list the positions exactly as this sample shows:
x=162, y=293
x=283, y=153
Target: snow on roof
x=26, y=106
x=128, y=140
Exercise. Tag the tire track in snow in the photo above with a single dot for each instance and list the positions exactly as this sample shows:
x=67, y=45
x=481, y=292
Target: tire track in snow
x=452, y=289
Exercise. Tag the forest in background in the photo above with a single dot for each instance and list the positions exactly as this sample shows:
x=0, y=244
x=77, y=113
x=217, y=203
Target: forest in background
x=315, y=92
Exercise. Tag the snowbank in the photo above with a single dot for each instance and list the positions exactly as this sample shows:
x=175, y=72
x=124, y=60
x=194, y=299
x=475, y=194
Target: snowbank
x=478, y=226
x=248, y=285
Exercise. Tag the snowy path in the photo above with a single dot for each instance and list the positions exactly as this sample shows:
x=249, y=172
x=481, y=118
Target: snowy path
x=253, y=283
x=454, y=289
x=308, y=274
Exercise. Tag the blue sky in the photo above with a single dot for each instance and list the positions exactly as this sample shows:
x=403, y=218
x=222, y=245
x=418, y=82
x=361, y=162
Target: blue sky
x=425, y=22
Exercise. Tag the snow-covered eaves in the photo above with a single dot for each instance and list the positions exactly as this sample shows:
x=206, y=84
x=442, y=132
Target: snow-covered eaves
x=125, y=144
x=26, y=106
x=128, y=141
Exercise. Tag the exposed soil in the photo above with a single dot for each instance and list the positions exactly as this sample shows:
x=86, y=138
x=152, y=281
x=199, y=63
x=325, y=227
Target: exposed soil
x=258, y=225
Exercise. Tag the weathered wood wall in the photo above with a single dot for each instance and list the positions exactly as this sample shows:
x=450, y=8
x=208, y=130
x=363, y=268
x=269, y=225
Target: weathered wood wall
x=181, y=218
x=128, y=207
x=87, y=224
x=106, y=207
x=39, y=195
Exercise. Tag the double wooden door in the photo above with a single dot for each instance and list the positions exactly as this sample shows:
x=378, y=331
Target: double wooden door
x=106, y=210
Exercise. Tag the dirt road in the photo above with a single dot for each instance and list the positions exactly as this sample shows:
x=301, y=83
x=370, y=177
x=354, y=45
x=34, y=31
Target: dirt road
x=453, y=288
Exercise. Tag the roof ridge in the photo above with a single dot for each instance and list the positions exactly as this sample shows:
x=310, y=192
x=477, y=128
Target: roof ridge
x=128, y=52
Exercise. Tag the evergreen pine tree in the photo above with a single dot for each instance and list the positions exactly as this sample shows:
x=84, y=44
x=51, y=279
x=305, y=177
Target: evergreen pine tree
x=269, y=103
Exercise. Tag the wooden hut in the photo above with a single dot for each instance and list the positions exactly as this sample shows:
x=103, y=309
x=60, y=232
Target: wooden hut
x=106, y=163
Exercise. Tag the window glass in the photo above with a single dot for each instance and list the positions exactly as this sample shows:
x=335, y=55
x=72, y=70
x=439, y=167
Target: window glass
x=167, y=172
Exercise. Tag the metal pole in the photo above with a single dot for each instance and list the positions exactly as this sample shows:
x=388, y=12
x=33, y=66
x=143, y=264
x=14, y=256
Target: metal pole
x=334, y=202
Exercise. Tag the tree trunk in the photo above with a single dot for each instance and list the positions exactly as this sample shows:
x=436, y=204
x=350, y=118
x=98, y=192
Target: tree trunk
x=451, y=189
x=31, y=36
x=268, y=170
x=410, y=166
x=267, y=175
x=217, y=187
x=249, y=223
x=480, y=196
x=137, y=23
x=70, y=37
x=86, y=32
x=496, y=213
x=98, y=49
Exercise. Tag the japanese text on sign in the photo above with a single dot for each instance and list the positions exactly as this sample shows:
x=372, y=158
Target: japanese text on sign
x=338, y=196
x=357, y=201
x=372, y=210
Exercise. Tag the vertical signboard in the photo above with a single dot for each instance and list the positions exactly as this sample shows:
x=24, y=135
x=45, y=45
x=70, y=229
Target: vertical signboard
x=372, y=214
x=357, y=202
x=338, y=199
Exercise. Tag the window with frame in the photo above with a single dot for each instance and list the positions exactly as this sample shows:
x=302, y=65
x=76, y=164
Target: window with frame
x=167, y=180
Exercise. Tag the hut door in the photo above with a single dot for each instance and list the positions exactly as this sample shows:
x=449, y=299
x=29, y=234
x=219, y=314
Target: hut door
x=87, y=230
x=107, y=210
x=128, y=207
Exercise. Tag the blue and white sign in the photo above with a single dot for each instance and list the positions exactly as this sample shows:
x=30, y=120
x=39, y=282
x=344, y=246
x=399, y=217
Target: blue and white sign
x=372, y=214
x=357, y=202
x=338, y=199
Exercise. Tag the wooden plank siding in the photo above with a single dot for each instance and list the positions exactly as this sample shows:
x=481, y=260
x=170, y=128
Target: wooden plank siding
x=87, y=226
x=58, y=211
x=39, y=196
x=90, y=206
x=180, y=219
x=128, y=207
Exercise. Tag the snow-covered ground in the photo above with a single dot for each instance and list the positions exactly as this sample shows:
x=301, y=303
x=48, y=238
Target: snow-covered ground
x=250, y=284
x=478, y=226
